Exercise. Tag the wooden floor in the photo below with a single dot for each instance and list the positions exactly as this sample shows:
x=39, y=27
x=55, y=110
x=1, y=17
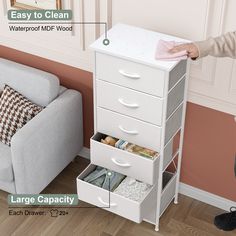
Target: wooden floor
x=189, y=217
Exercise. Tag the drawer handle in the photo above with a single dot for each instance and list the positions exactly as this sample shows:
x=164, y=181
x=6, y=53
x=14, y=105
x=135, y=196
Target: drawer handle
x=130, y=105
x=120, y=164
x=133, y=132
x=131, y=76
x=105, y=203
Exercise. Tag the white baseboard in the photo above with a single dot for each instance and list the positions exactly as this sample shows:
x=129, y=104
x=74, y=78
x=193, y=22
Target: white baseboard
x=85, y=153
x=206, y=197
x=189, y=191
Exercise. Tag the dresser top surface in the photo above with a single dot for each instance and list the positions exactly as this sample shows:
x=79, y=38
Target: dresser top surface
x=135, y=44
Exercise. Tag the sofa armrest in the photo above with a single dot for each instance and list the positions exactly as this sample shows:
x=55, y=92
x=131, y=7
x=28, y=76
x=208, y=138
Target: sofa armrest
x=48, y=143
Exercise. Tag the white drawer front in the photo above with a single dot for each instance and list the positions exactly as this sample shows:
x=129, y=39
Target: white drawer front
x=129, y=74
x=119, y=205
x=129, y=129
x=123, y=162
x=129, y=102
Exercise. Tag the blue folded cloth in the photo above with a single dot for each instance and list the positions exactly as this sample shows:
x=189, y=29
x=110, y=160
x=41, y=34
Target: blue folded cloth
x=104, y=178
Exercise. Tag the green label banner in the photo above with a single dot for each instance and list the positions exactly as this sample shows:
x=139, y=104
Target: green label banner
x=39, y=15
x=43, y=199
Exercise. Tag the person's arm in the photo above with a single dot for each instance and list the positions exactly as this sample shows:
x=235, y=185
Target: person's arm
x=223, y=46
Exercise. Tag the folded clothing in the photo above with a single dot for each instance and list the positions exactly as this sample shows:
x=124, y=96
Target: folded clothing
x=133, y=189
x=135, y=149
x=163, y=48
x=121, y=144
x=104, y=178
x=141, y=151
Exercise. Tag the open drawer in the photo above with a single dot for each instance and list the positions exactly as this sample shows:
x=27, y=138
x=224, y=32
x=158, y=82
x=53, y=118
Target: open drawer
x=112, y=202
x=123, y=162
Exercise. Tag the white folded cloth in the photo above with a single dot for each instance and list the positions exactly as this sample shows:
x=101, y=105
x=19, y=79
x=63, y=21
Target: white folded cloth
x=133, y=189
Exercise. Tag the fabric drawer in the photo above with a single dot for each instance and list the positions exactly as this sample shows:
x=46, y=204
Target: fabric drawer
x=123, y=162
x=129, y=129
x=168, y=192
x=173, y=124
x=130, y=74
x=129, y=102
x=119, y=205
x=176, y=73
x=175, y=97
x=168, y=154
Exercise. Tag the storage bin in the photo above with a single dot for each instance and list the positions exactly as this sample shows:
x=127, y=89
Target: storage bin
x=123, y=162
x=112, y=202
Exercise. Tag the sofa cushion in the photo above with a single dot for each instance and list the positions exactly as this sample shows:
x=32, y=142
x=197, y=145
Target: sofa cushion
x=15, y=112
x=6, y=170
x=38, y=86
x=62, y=90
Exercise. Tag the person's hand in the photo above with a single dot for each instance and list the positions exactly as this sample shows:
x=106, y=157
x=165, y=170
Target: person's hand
x=191, y=49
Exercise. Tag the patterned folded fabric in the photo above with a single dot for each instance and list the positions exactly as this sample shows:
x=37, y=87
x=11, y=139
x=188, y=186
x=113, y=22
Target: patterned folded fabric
x=133, y=189
x=15, y=112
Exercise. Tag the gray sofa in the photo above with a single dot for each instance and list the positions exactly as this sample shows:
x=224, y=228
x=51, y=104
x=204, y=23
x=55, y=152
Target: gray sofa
x=49, y=142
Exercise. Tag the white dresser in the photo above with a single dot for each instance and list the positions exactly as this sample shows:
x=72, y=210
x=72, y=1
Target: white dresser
x=143, y=101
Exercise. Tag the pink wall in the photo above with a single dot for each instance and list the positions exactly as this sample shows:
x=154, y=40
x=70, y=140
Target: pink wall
x=209, y=151
x=210, y=136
